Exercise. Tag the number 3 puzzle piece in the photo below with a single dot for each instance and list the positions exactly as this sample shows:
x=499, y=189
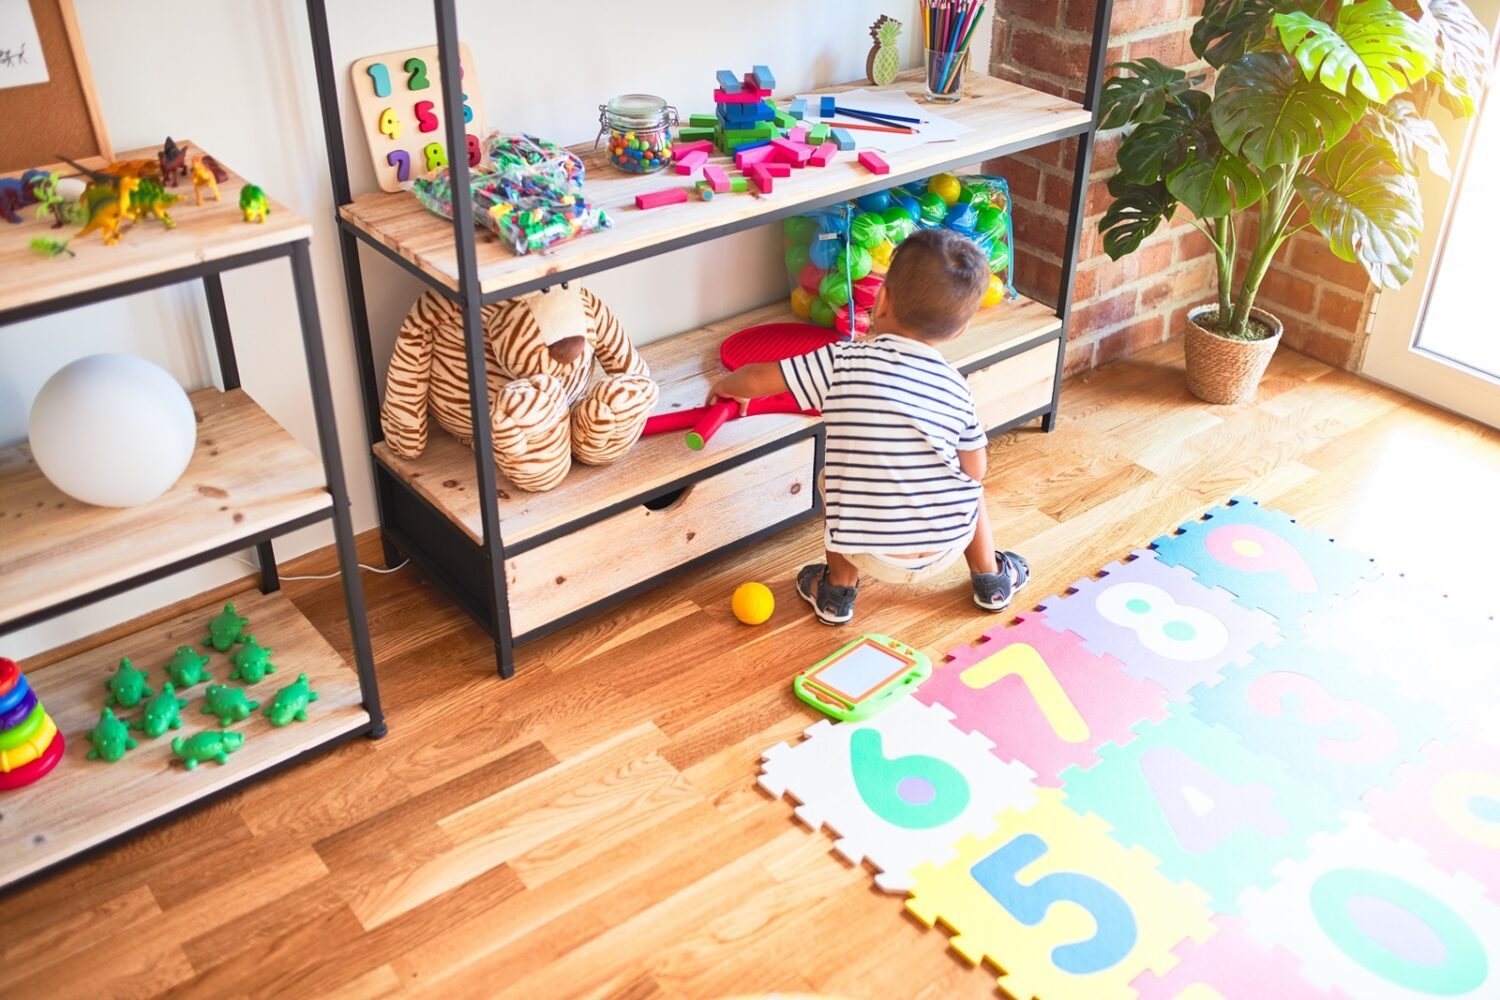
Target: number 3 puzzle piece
x=1057, y=904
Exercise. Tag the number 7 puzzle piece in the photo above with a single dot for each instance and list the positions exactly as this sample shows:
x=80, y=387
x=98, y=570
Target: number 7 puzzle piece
x=1265, y=559
x=1057, y=905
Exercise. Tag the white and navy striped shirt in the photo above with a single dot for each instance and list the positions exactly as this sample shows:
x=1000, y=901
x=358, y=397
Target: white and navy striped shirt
x=897, y=415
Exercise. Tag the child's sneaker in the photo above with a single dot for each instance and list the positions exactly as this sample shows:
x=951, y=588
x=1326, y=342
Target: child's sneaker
x=993, y=591
x=833, y=605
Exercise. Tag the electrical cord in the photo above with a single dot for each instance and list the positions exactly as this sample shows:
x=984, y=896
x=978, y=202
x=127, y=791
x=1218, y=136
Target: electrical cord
x=327, y=576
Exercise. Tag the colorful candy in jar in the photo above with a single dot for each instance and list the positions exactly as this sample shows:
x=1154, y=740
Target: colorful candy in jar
x=639, y=127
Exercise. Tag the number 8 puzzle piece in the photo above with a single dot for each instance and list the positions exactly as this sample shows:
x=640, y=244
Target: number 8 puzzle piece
x=1060, y=907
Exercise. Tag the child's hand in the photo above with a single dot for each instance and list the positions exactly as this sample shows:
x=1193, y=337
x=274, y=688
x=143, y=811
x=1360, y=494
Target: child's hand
x=721, y=390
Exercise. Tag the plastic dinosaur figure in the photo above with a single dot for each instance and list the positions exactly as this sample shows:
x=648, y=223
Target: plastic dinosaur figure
x=111, y=738
x=50, y=248
x=127, y=687
x=161, y=713
x=228, y=703
x=226, y=629
x=186, y=667
x=18, y=192
x=172, y=161
x=150, y=198
x=106, y=206
x=252, y=662
x=253, y=204
x=203, y=177
x=291, y=702
x=210, y=745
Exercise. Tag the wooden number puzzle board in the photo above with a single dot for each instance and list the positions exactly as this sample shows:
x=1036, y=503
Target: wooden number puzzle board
x=400, y=97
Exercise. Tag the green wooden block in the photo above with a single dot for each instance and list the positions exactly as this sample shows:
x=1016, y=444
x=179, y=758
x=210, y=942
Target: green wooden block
x=694, y=134
x=736, y=136
x=817, y=134
x=739, y=184
x=703, y=121
x=785, y=121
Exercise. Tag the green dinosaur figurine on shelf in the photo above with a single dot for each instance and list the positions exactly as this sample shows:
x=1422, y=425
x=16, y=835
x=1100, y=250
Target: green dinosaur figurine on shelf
x=111, y=738
x=291, y=702
x=161, y=713
x=152, y=199
x=228, y=703
x=253, y=204
x=186, y=667
x=210, y=745
x=226, y=629
x=252, y=662
x=127, y=687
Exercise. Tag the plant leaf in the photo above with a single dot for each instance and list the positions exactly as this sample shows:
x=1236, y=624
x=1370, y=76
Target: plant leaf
x=1215, y=183
x=1230, y=28
x=1265, y=111
x=1398, y=131
x=1368, y=212
x=1135, y=213
x=1153, y=150
x=1144, y=96
x=1371, y=45
x=1463, y=52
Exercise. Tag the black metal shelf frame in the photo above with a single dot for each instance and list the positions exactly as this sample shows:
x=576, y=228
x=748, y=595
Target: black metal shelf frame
x=474, y=574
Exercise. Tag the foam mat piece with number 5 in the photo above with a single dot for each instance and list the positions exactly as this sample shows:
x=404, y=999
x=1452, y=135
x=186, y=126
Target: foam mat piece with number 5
x=1051, y=900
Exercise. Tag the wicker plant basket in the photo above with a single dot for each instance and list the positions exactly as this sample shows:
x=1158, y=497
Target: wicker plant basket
x=1221, y=370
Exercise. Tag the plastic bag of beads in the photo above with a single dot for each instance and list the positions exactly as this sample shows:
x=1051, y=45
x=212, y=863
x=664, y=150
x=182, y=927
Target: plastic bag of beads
x=523, y=153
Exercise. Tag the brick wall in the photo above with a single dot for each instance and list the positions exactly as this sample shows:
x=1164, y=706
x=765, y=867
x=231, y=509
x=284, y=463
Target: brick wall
x=1120, y=307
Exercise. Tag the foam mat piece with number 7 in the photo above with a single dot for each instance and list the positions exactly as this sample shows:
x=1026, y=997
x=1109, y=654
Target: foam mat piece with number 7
x=1051, y=900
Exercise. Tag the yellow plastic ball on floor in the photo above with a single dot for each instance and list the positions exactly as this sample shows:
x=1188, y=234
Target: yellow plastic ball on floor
x=802, y=302
x=752, y=603
x=946, y=187
x=994, y=294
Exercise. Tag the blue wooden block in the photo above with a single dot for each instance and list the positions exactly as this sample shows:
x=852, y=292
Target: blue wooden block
x=751, y=145
x=728, y=82
x=744, y=115
x=827, y=107
x=763, y=78
x=842, y=139
x=798, y=109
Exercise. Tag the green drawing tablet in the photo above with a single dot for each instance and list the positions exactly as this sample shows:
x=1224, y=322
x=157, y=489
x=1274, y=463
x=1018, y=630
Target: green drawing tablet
x=863, y=677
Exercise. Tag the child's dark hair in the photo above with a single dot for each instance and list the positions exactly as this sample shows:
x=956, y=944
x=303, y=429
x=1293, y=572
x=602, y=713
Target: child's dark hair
x=935, y=283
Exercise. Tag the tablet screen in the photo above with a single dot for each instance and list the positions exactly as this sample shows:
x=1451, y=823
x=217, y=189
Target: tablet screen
x=861, y=670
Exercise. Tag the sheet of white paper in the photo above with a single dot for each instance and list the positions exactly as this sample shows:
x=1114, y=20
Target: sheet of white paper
x=21, y=61
x=933, y=127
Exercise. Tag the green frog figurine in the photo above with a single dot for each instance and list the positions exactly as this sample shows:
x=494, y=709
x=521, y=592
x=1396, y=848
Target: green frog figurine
x=111, y=738
x=187, y=668
x=127, y=687
x=161, y=713
x=228, y=703
x=291, y=702
x=209, y=745
x=225, y=629
x=252, y=662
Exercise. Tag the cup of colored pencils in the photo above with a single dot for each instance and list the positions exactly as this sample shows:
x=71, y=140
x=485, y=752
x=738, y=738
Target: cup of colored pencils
x=948, y=28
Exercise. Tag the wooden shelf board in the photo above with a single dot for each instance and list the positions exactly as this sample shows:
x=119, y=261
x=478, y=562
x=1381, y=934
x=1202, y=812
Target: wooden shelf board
x=247, y=474
x=211, y=232
x=682, y=366
x=86, y=802
x=999, y=112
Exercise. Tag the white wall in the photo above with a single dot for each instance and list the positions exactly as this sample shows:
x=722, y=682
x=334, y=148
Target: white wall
x=237, y=79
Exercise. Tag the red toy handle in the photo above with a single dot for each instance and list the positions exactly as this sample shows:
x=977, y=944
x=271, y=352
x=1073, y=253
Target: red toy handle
x=673, y=420
x=690, y=419
x=708, y=425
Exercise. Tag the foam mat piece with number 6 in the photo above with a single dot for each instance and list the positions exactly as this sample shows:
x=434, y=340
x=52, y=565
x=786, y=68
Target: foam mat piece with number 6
x=1063, y=910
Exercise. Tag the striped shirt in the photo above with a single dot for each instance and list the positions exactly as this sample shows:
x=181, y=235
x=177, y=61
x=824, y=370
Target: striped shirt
x=896, y=415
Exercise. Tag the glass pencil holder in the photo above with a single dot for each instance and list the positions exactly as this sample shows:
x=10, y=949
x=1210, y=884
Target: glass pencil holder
x=945, y=75
x=639, y=127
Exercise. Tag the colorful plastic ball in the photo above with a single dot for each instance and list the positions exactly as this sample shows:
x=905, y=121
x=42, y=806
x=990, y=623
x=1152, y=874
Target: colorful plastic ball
x=974, y=194
x=753, y=603
x=946, y=187
x=811, y=277
x=899, y=228
x=915, y=188
x=802, y=301
x=988, y=219
x=934, y=210
x=797, y=258
x=861, y=321
x=865, y=290
x=834, y=290
x=877, y=202
x=823, y=253
x=833, y=222
x=908, y=205
x=856, y=262
x=961, y=219
x=995, y=293
x=867, y=229
x=799, y=228
x=881, y=252
x=999, y=256
x=821, y=313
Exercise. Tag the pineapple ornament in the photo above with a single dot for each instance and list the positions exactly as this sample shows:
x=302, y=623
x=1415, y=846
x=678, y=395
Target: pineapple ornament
x=885, y=57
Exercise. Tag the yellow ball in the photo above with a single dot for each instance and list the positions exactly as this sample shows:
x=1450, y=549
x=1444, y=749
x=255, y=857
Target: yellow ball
x=802, y=302
x=946, y=187
x=994, y=294
x=752, y=603
x=881, y=252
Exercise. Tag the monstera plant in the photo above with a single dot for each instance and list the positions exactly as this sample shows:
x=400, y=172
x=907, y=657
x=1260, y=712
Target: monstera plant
x=1315, y=120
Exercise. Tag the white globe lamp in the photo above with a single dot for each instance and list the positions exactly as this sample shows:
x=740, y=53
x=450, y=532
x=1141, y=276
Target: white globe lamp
x=112, y=430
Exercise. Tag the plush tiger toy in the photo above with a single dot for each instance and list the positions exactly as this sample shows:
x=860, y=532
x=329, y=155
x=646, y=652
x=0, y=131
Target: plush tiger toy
x=543, y=410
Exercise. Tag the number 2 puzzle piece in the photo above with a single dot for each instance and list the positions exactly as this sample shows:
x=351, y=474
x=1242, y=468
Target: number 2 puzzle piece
x=1265, y=558
x=1450, y=807
x=897, y=789
x=1213, y=812
x=1040, y=697
x=1229, y=964
x=1329, y=723
x=1160, y=623
x=1374, y=917
x=1056, y=904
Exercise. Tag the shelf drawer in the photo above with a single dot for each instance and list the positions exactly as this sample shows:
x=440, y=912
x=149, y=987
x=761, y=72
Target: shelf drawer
x=1016, y=386
x=609, y=556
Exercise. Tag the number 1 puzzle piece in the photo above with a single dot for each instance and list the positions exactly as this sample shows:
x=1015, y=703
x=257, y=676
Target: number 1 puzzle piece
x=897, y=789
x=1056, y=904
x=1265, y=559
x=1040, y=697
x=1230, y=965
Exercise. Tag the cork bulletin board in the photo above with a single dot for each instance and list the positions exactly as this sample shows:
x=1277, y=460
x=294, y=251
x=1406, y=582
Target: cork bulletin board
x=59, y=116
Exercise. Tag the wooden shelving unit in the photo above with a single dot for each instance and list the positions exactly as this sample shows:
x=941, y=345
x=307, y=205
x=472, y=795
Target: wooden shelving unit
x=249, y=482
x=525, y=564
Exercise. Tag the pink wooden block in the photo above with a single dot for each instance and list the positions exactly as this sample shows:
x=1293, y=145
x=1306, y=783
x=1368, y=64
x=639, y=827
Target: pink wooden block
x=698, y=145
x=762, y=177
x=872, y=162
x=794, y=153
x=746, y=96
x=776, y=169
x=716, y=178
x=689, y=162
x=747, y=158
x=797, y=135
x=822, y=155
x=666, y=196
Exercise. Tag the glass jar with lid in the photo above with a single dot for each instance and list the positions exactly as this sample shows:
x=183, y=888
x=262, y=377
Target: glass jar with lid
x=639, y=127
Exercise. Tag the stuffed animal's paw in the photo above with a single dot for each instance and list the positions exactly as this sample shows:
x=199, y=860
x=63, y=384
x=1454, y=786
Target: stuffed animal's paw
x=530, y=425
x=608, y=421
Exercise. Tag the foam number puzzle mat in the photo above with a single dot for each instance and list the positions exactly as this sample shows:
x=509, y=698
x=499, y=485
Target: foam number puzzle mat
x=1244, y=763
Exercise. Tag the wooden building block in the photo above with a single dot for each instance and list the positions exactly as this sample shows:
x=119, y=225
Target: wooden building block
x=703, y=120
x=695, y=134
x=798, y=134
x=742, y=115
x=785, y=121
x=776, y=169
x=753, y=144
x=871, y=161
x=763, y=78
x=666, y=196
x=739, y=185
x=745, y=159
x=762, y=179
x=728, y=82
x=715, y=177
x=794, y=153
x=798, y=108
x=680, y=148
x=842, y=139
x=818, y=133
x=689, y=162
x=827, y=107
x=822, y=155
x=705, y=190
x=743, y=97
x=736, y=136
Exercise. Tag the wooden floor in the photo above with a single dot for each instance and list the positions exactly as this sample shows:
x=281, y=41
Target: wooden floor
x=593, y=829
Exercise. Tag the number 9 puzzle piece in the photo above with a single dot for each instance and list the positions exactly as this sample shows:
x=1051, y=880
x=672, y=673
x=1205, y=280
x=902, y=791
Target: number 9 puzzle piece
x=1057, y=904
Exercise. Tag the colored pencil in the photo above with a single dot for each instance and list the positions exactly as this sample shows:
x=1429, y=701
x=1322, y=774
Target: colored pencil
x=876, y=116
x=900, y=129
